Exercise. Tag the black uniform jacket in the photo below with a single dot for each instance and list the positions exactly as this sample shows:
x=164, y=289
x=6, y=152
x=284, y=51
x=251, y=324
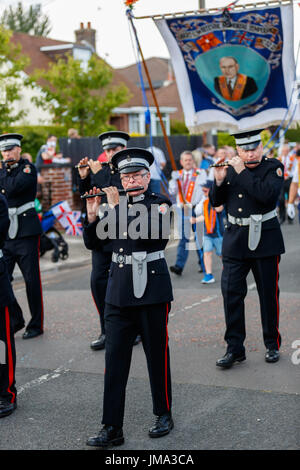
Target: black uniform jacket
x=253, y=191
x=19, y=185
x=6, y=294
x=120, y=284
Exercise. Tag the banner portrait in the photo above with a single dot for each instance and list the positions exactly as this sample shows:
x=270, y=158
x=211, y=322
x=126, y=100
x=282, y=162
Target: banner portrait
x=233, y=70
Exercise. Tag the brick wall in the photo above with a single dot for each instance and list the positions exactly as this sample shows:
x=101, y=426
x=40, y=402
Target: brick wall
x=56, y=185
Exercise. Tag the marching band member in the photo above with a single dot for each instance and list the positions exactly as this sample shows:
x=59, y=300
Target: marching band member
x=138, y=295
x=251, y=241
x=8, y=303
x=18, y=183
x=102, y=175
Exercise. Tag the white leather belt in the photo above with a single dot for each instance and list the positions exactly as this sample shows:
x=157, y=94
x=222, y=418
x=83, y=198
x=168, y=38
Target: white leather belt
x=244, y=221
x=127, y=259
x=138, y=261
x=13, y=213
x=254, y=222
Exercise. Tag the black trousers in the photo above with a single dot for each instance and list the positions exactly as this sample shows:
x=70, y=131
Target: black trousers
x=122, y=326
x=234, y=290
x=25, y=252
x=99, y=276
x=7, y=355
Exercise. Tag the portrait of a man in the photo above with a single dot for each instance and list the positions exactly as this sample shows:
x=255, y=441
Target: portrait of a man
x=232, y=85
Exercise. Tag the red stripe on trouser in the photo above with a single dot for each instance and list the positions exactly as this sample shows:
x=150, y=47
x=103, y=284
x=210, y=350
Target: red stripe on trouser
x=277, y=303
x=9, y=354
x=166, y=360
x=96, y=305
x=41, y=290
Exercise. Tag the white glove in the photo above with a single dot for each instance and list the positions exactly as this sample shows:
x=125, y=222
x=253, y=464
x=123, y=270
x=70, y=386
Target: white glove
x=175, y=175
x=291, y=211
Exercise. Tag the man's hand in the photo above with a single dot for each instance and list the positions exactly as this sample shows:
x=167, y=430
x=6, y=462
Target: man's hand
x=175, y=175
x=83, y=172
x=238, y=164
x=291, y=211
x=113, y=196
x=92, y=205
x=220, y=172
x=95, y=166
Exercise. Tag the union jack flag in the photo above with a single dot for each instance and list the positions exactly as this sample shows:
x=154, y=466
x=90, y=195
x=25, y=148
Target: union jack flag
x=242, y=38
x=76, y=228
x=69, y=219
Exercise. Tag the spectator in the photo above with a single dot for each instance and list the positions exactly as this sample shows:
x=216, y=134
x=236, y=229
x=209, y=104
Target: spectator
x=289, y=162
x=191, y=181
x=47, y=151
x=73, y=134
x=208, y=156
x=213, y=230
x=60, y=159
x=156, y=168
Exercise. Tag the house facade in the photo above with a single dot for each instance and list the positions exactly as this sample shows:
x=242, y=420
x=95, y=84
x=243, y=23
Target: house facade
x=133, y=116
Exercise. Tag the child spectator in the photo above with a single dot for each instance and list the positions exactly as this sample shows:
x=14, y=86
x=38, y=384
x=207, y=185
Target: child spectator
x=213, y=230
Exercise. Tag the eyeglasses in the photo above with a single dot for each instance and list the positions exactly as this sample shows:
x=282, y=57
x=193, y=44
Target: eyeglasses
x=133, y=177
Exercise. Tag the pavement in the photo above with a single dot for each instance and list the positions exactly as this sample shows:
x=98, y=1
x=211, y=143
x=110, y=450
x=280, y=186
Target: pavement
x=252, y=406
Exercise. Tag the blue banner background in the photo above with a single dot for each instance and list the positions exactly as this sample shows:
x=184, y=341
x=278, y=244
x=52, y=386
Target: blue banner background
x=256, y=45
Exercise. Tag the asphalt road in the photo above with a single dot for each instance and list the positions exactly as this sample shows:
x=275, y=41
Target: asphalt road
x=252, y=406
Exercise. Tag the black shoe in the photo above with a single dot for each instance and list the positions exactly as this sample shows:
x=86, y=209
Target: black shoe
x=229, y=359
x=6, y=408
x=163, y=425
x=31, y=334
x=98, y=343
x=272, y=355
x=19, y=327
x=107, y=437
x=137, y=340
x=176, y=269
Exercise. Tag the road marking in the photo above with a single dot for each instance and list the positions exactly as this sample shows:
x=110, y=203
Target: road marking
x=44, y=378
x=188, y=307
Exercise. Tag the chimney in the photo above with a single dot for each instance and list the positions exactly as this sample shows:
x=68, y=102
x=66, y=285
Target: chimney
x=86, y=34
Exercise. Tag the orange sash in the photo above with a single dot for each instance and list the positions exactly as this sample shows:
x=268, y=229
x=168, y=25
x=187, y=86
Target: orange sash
x=238, y=87
x=209, y=217
x=189, y=192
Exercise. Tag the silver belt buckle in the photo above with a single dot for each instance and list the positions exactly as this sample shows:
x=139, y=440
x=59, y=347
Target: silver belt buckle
x=238, y=221
x=120, y=259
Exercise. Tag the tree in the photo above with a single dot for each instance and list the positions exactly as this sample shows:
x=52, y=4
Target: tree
x=12, y=64
x=30, y=21
x=78, y=95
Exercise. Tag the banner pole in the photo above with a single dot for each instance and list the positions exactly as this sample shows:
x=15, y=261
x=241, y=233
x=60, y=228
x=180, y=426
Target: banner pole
x=170, y=152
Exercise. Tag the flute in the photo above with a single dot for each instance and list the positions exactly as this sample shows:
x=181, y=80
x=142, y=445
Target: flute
x=120, y=191
x=86, y=165
x=9, y=160
x=217, y=165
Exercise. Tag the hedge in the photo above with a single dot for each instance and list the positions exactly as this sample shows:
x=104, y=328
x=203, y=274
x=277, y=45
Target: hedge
x=35, y=136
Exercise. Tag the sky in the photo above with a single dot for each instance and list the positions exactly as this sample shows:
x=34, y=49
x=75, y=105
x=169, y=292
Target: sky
x=108, y=17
